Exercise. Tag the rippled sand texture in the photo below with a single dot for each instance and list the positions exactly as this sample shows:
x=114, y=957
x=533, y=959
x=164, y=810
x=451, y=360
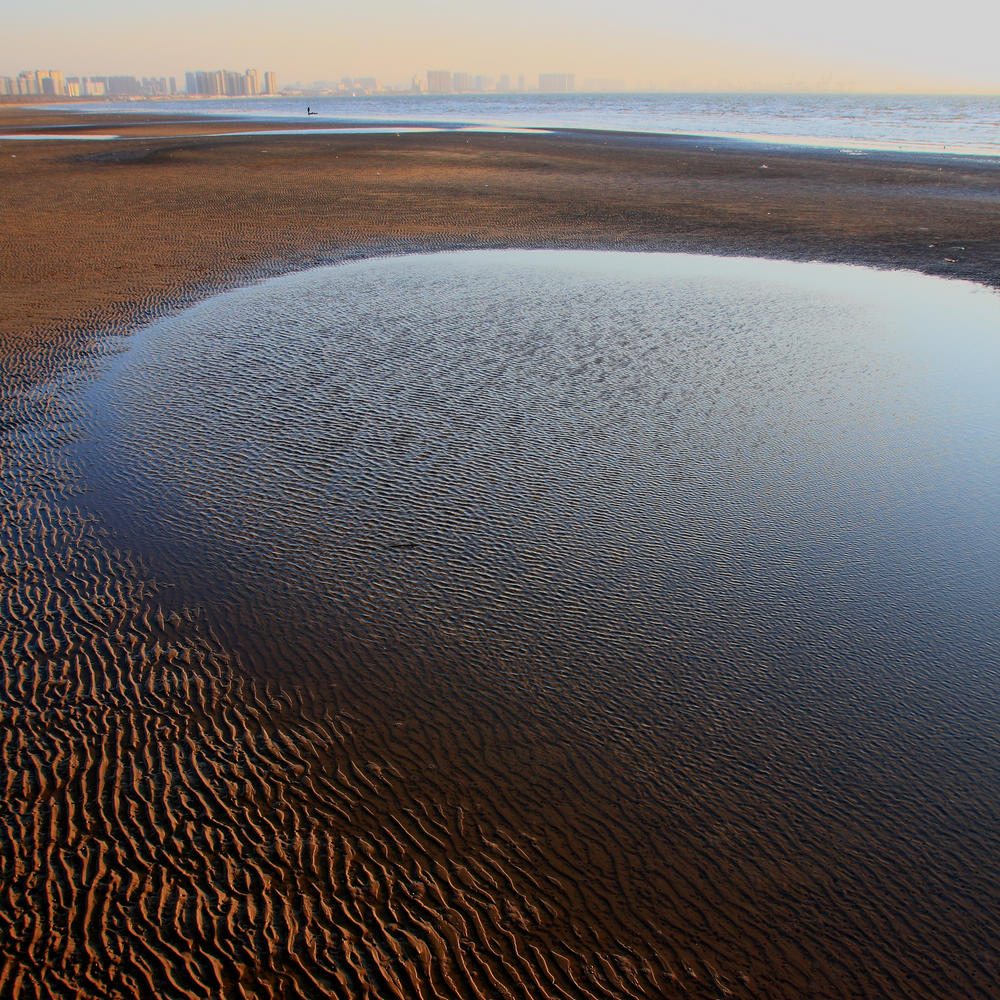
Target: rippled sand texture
x=590, y=658
x=171, y=829
x=148, y=794
x=97, y=232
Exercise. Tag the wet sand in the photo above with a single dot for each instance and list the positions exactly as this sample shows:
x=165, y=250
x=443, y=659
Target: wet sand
x=104, y=233
x=182, y=819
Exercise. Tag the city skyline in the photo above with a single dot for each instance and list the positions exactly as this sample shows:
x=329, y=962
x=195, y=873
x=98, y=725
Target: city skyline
x=871, y=45
x=209, y=83
x=253, y=82
x=223, y=82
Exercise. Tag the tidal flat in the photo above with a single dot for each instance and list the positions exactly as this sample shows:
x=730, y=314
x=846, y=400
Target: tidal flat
x=522, y=622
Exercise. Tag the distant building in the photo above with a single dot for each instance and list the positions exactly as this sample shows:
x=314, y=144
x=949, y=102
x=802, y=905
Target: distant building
x=556, y=83
x=461, y=82
x=203, y=83
x=439, y=81
x=503, y=84
x=39, y=81
x=52, y=82
x=227, y=83
x=122, y=86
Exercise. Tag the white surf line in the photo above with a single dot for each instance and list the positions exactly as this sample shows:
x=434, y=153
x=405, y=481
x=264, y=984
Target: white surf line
x=376, y=130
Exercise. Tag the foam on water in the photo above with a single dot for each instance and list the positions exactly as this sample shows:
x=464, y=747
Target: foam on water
x=365, y=130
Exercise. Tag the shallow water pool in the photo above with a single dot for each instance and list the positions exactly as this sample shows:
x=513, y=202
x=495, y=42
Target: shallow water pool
x=726, y=529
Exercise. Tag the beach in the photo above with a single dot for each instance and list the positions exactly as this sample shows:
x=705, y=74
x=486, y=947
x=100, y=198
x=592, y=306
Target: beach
x=104, y=231
x=192, y=813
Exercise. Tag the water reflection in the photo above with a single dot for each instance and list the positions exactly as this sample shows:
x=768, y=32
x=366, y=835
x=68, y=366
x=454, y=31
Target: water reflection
x=725, y=528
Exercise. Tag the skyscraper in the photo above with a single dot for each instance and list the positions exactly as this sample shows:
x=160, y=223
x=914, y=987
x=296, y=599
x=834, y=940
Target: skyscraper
x=556, y=83
x=439, y=81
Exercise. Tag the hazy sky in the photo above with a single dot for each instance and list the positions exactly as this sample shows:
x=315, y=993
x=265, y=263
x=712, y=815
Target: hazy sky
x=694, y=44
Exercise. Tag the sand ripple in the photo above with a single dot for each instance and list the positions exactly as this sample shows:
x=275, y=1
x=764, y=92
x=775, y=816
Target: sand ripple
x=171, y=828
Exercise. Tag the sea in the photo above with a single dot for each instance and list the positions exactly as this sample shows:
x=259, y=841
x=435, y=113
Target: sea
x=952, y=124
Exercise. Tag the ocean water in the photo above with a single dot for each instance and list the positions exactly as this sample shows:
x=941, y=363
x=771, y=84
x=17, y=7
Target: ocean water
x=682, y=567
x=967, y=125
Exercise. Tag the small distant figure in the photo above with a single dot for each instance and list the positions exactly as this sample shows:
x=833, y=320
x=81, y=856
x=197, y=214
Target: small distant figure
x=309, y=111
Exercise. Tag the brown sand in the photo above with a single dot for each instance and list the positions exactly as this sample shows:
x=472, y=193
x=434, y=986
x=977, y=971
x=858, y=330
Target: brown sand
x=177, y=824
x=97, y=232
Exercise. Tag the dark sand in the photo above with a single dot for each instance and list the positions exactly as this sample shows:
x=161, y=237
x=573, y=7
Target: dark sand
x=101, y=233
x=177, y=822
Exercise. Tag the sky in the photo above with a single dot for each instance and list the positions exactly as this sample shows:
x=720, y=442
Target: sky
x=850, y=45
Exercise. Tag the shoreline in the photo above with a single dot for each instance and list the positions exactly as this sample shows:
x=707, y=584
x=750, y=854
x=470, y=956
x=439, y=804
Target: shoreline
x=231, y=123
x=81, y=122
x=166, y=108
x=125, y=231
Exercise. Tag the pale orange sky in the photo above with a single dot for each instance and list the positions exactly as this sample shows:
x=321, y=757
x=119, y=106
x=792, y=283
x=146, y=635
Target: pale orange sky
x=880, y=45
